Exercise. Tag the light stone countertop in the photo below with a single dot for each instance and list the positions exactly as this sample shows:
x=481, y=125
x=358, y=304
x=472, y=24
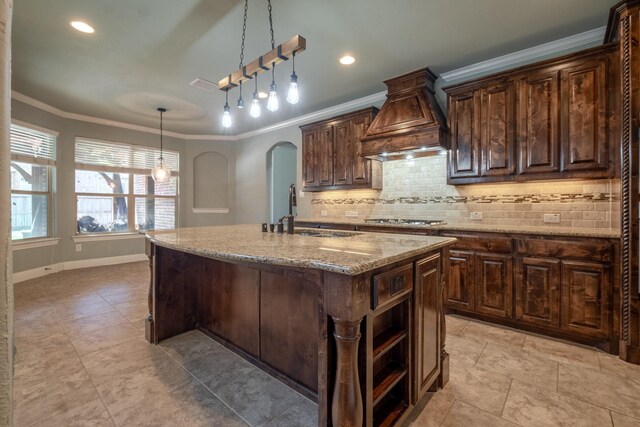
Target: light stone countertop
x=494, y=228
x=346, y=255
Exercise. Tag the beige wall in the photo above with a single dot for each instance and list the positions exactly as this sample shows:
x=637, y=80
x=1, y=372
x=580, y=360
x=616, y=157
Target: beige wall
x=418, y=189
x=64, y=201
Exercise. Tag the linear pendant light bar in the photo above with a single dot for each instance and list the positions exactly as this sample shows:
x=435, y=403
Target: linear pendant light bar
x=277, y=55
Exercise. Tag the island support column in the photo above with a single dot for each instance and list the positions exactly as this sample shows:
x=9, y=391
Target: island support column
x=346, y=301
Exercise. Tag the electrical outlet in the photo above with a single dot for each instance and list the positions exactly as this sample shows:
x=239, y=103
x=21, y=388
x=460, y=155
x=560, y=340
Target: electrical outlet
x=301, y=193
x=79, y=247
x=323, y=213
x=554, y=218
x=475, y=216
x=351, y=213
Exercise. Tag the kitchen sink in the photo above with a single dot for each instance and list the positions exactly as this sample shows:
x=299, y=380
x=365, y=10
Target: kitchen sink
x=324, y=233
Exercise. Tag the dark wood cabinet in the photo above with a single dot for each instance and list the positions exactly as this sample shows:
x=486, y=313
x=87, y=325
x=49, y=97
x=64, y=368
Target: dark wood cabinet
x=331, y=154
x=497, y=124
x=550, y=120
x=460, y=290
x=539, y=123
x=585, y=298
x=584, y=137
x=537, y=291
x=464, y=119
x=494, y=284
x=427, y=313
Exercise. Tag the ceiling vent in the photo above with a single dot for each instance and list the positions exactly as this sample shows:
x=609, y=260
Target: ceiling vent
x=204, y=85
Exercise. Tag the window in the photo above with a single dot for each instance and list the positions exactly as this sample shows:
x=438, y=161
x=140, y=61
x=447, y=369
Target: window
x=33, y=160
x=115, y=191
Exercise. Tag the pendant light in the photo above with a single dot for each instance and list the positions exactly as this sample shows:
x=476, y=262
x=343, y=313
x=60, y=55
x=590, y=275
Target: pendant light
x=293, y=96
x=226, y=115
x=254, y=111
x=161, y=172
x=272, y=102
x=266, y=62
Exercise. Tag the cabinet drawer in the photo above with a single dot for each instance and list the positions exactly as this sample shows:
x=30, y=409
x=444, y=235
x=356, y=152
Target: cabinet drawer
x=483, y=244
x=597, y=251
x=391, y=285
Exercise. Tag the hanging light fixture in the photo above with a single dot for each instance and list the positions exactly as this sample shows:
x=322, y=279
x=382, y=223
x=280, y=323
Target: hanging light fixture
x=161, y=172
x=254, y=111
x=266, y=62
x=293, y=96
x=226, y=115
x=272, y=102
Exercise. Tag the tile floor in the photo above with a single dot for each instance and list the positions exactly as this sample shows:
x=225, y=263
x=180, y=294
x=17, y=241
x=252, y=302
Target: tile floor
x=82, y=361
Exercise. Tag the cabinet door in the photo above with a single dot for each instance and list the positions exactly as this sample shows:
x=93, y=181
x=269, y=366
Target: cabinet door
x=585, y=307
x=464, y=111
x=537, y=291
x=427, y=315
x=585, y=143
x=361, y=167
x=343, y=153
x=324, y=156
x=459, y=292
x=309, y=142
x=538, y=124
x=494, y=284
x=498, y=130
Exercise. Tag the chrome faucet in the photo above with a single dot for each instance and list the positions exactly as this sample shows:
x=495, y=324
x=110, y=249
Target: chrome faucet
x=292, y=203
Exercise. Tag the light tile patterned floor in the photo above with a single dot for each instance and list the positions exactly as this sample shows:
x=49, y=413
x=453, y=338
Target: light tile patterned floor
x=82, y=361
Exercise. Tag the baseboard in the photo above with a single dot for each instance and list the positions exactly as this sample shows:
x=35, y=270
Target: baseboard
x=34, y=273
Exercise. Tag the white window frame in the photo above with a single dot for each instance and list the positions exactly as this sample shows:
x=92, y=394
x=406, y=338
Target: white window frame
x=130, y=196
x=50, y=163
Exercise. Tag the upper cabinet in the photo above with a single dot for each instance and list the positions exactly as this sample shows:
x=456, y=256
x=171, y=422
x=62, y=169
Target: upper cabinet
x=551, y=120
x=331, y=151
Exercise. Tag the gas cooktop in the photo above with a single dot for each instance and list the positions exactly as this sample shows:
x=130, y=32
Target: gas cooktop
x=404, y=221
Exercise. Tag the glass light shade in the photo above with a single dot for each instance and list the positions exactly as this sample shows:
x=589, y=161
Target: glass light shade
x=254, y=111
x=226, y=117
x=272, y=102
x=293, y=96
x=161, y=172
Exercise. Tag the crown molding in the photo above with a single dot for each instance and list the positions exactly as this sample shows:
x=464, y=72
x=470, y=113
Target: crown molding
x=327, y=112
x=525, y=56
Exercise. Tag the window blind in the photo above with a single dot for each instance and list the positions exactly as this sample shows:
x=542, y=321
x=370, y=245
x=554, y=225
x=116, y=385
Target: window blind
x=101, y=155
x=32, y=146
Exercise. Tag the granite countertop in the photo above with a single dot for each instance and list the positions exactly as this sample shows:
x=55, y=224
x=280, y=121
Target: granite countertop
x=494, y=228
x=352, y=255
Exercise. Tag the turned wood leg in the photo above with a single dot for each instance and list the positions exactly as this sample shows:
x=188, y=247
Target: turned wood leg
x=346, y=407
x=443, y=378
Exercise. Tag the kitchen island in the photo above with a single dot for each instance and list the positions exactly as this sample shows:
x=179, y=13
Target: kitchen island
x=352, y=320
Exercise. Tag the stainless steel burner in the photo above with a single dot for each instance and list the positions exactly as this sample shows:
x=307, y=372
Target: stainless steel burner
x=404, y=221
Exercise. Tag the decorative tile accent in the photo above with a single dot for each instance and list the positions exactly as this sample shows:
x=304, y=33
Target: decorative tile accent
x=418, y=189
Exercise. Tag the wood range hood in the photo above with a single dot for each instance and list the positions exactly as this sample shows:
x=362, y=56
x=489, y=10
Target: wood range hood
x=410, y=123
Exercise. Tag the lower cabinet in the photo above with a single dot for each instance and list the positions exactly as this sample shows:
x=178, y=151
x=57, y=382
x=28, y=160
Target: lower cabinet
x=494, y=284
x=585, y=303
x=551, y=284
x=427, y=313
x=459, y=292
x=537, y=291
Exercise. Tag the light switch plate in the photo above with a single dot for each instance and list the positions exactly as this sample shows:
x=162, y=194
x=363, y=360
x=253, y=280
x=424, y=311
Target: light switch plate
x=475, y=216
x=301, y=193
x=351, y=213
x=78, y=247
x=553, y=218
x=323, y=213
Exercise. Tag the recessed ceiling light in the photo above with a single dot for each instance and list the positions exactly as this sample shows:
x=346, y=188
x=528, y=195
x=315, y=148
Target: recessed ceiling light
x=82, y=27
x=347, y=60
x=262, y=95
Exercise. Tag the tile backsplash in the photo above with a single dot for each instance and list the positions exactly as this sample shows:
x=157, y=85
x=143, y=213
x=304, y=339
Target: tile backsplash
x=418, y=189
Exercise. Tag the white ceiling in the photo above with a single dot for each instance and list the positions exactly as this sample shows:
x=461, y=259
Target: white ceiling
x=145, y=52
